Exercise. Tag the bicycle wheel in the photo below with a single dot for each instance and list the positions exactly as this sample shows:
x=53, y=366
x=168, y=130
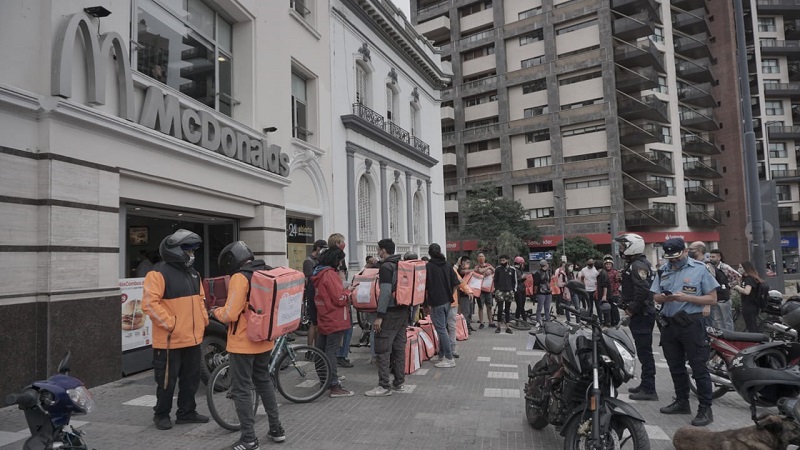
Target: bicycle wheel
x=220, y=401
x=305, y=373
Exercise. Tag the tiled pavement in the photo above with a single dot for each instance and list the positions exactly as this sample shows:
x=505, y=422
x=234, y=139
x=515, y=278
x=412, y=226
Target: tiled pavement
x=479, y=404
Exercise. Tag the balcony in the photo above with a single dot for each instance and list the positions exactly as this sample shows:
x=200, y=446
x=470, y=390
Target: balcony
x=481, y=111
x=692, y=46
x=631, y=7
x=704, y=218
x=689, y=5
x=652, y=161
x=478, y=65
x=451, y=206
x=633, y=27
x=697, y=145
x=631, y=134
x=637, y=80
x=700, y=169
x=783, y=133
x=483, y=158
x=650, y=218
x=691, y=22
x=426, y=8
x=780, y=48
x=777, y=7
x=789, y=220
x=649, y=107
x=477, y=20
x=388, y=129
x=448, y=114
x=697, y=95
x=702, y=194
x=784, y=90
x=436, y=30
x=642, y=54
x=784, y=174
x=698, y=70
x=634, y=189
x=698, y=119
x=448, y=159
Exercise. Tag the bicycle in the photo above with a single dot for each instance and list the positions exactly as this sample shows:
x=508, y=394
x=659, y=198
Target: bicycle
x=290, y=372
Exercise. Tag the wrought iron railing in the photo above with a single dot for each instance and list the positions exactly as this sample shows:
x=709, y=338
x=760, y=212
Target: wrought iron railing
x=399, y=133
x=394, y=130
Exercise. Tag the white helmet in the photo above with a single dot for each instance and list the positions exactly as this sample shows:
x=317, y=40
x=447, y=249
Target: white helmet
x=630, y=244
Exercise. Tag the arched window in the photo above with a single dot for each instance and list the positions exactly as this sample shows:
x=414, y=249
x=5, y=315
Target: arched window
x=362, y=84
x=418, y=238
x=415, y=121
x=364, y=209
x=391, y=104
x=394, y=213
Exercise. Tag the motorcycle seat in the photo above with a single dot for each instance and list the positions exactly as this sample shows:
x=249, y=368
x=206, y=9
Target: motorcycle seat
x=554, y=344
x=556, y=329
x=744, y=336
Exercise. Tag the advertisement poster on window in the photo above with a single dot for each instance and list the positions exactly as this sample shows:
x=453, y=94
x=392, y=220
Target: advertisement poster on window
x=136, y=326
x=299, y=240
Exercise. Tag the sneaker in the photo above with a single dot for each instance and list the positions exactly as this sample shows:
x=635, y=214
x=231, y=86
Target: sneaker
x=340, y=377
x=636, y=389
x=642, y=395
x=446, y=363
x=242, y=445
x=399, y=388
x=704, y=417
x=338, y=392
x=379, y=391
x=480, y=327
x=497, y=330
x=343, y=362
x=508, y=331
x=492, y=325
x=192, y=418
x=677, y=407
x=455, y=355
x=162, y=422
x=277, y=434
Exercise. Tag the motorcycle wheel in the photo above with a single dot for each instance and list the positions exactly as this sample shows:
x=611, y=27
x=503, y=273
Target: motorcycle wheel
x=212, y=351
x=537, y=416
x=623, y=433
x=715, y=362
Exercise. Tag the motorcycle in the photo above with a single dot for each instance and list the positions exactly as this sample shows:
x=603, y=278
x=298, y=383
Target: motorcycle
x=574, y=386
x=48, y=407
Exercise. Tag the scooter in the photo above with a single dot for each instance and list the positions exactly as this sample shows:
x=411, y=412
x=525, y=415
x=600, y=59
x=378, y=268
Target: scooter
x=49, y=405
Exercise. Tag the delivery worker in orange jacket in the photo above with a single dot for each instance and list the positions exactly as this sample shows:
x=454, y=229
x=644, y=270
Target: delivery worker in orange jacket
x=173, y=298
x=249, y=359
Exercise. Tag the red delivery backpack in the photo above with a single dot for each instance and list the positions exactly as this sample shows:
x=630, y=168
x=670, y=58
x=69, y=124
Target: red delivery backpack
x=530, y=288
x=411, y=276
x=487, y=285
x=366, y=290
x=462, y=331
x=427, y=325
x=474, y=281
x=275, y=304
x=413, y=361
x=216, y=290
x=426, y=345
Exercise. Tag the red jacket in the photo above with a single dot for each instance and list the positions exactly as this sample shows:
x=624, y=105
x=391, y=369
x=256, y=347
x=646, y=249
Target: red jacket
x=332, y=300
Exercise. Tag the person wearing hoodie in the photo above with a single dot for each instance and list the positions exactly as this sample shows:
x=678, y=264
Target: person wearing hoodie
x=505, y=285
x=440, y=280
x=333, y=312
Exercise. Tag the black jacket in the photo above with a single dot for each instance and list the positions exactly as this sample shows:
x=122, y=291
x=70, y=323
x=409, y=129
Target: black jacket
x=636, y=280
x=505, y=278
x=387, y=279
x=440, y=280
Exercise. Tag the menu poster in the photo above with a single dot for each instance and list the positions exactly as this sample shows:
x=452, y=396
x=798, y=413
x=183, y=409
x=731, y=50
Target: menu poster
x=136, y=326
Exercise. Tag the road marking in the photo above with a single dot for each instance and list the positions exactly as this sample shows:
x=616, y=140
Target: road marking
x=501, y=393
x=407, y=389
x=484, y=359
x=505, y=366
x=145, y=400
x=655, y=432
x=531, y=353
x=7, y=437
x=504, y=375
x=421, y=372
x=504, y=349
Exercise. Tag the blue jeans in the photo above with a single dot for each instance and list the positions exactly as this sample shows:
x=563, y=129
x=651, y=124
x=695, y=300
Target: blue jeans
x=543, y=302
x=451, y=327
x=345, y=350
x=439, y=317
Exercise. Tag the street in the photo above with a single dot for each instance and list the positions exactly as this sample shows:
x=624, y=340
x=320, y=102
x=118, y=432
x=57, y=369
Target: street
x=478, y=404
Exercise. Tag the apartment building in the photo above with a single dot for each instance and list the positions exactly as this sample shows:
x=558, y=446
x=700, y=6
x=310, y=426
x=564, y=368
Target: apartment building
x=596, y=116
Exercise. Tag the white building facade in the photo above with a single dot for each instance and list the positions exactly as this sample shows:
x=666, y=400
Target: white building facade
x=387, y=175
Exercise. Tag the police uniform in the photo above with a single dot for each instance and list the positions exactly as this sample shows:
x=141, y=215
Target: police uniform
x=637, y=277
x=682, y=341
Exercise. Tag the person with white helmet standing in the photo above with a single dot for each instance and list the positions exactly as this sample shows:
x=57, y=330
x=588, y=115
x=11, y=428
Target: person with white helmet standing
x=637, y=302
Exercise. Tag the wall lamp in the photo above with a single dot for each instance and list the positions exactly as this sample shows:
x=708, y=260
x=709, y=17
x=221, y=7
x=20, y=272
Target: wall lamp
x=97, y=11
x=270, y=130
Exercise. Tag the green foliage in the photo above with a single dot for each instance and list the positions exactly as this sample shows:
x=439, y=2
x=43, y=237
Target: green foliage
x=499, y=224
x=578, y=249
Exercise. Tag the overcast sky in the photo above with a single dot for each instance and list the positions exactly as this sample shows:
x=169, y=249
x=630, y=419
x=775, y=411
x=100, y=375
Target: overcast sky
x=403, y=4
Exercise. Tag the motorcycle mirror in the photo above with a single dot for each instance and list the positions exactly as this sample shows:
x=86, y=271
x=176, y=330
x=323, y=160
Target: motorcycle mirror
x=63, y=366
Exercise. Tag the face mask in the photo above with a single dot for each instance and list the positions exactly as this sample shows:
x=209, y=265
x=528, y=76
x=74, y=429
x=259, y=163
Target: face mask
x=190, y=262
x=678, y=263
x=504, y=264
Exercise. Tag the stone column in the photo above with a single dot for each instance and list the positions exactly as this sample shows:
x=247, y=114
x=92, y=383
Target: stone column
x=430, y=213
x=384, y=203
x=409, y=210
x=352, y=213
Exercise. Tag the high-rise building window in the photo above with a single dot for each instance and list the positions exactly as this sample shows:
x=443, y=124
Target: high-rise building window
x=537, y=188
x=541, y=161
x=658, y=35
x=770, y=66
x=530, y=62
x=537, y=136
x=766, y=24
x=773, y=107
x=540, y=213
x=534, y=86
x=589, y=211
x=535, y=111
x=778, y=150
x=784, y=192
x=586, y=184
x=666, y=135
x=778, y=169
x=662, y=85
x=187, y=45
x=529, y=13
x=530, y=38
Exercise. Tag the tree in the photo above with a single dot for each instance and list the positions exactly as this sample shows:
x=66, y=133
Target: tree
x=499, y=224
x=578, y=249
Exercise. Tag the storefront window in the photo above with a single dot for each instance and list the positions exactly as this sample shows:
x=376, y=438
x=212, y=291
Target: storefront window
x=299, y=240
x=187, y=46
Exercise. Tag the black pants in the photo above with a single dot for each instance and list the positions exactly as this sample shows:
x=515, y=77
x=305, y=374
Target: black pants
x=184, y=370
x=642, y=330
x=330, y=344
x=519, y=299
x=689, y=343
x=750, y=313
x=390, y=347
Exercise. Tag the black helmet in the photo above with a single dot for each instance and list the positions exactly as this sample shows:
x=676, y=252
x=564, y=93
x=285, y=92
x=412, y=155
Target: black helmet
x=760, y=375
x=233, y=256
x=173, y=247
x=790, y=312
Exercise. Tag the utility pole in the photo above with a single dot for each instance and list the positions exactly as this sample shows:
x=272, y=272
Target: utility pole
x=749, y=150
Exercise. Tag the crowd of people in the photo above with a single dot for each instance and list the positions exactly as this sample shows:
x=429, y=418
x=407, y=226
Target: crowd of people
x=690, y=290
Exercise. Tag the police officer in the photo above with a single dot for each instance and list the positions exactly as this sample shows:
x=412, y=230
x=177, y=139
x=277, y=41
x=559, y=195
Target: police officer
x=683, y=286
x=637, y=302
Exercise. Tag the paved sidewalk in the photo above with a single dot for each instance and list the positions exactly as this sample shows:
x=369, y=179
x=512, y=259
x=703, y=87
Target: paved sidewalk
x=478, y=404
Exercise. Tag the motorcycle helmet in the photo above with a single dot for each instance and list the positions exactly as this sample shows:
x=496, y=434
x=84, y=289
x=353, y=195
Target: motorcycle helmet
x=408, y=256
x=173, y=247
x=233, y=256
x=630, y=244
x=790, y=312
x=760, y=375
x=519, y=260
x=774, y=304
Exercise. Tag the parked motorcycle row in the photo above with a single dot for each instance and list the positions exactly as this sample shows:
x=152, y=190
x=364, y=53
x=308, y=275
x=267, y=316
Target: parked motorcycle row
x=574, y=385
